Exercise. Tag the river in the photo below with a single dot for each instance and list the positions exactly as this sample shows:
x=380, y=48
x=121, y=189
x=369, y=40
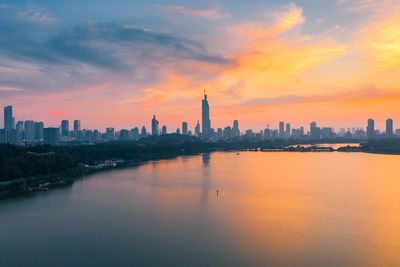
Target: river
x=272, y=209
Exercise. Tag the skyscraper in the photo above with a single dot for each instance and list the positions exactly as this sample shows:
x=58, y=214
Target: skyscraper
x=205, y=117
x=164, y=130
x=236, y=130
x=371, y=128
x=281, y=129
x=29, y=131
x=65, y=128
x=288, y=129
x=197, y=129
x=8, y=118
x=315, y=132
x=389, y=127
x=143, y=132
x=154, y=126
x=51, y=136
x=184, y=128
x=110, y=133
x=38, y=131
x=77, y=126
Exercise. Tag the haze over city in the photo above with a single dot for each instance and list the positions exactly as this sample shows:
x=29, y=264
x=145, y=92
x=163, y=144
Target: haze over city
x=117, y=63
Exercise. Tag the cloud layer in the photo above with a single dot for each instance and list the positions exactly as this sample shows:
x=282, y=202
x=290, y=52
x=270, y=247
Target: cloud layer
x=278, y=59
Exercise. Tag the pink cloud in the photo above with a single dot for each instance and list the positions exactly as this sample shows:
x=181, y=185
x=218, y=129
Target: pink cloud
x=209, y=13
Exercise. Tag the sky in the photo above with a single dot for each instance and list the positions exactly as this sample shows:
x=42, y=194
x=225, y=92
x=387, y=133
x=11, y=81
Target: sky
x=116, y=63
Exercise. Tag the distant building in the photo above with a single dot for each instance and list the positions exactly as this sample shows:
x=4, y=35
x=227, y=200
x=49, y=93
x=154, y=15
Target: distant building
x=65, y=128
x=287, y=129
x=135, y=133
x=29, y=131
x=281, y=129
x=110, y=133
x=227, y=133
x=39, y=126
x=371, y=128
x=184, y=128
x=197, y=129
x=20, y=131
x=164, y=130
x=8, y=118
x=77, y=126
x=154, y=126
x=124, y=135
x=219, y=133
x=236, y=130
x=315, y=132
x=327, y=133
x=143, y=132
x=205, y=118
x=51, y=136
x=178, y=131
x=389, y=127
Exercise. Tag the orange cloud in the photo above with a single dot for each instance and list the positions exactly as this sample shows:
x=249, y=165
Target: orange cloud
x=272, y=54
x=380, y=40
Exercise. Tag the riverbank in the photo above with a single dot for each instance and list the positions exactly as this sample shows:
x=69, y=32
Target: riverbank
x=25, y=170
x=20, y=186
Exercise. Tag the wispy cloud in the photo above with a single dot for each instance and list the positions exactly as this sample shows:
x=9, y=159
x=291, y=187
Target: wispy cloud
x=209, y=13
x=10, y=89
x=37, y=15
x=380, y=40
x=362, y=6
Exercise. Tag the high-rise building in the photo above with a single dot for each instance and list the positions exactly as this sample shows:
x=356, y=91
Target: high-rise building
x=236, y=130
x=20, y=131
x=8, y=118
x=135, y=133
x=38, y=131
x=124, y=135
x=197, y=129
x=184, y=128
x=315, y=132
x=77, y=126
x=65, y=128
x=281, y=129
x=143, y=132
x=287, y=129
x=110, y=133
x=164, y=130
x=29, y=131
x=389, y=127
x=371, y=128
x=51, y=136
x=205, y=118
x=327, y=133
x=313, y=124
x=154, y=126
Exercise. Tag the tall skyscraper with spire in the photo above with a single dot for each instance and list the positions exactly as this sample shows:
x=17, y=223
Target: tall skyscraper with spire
x=205, y=117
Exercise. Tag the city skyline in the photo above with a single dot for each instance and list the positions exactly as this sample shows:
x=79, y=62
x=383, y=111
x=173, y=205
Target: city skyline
x=32, y=132
x=263, y=62
x=156, y=128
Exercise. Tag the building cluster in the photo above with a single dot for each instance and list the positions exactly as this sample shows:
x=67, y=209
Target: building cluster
x=32, y=132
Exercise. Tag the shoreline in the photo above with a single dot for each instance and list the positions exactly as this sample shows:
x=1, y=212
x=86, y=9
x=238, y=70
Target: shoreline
x=24, y=186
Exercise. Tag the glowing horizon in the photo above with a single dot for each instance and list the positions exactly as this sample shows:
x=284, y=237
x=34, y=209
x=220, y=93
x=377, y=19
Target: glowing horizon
x=115, y=65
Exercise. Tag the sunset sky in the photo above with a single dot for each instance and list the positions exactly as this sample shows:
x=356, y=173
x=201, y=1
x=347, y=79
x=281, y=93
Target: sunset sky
x=115, y=63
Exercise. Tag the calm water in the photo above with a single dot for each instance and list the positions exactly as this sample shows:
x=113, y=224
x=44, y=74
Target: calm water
x=273, y=209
